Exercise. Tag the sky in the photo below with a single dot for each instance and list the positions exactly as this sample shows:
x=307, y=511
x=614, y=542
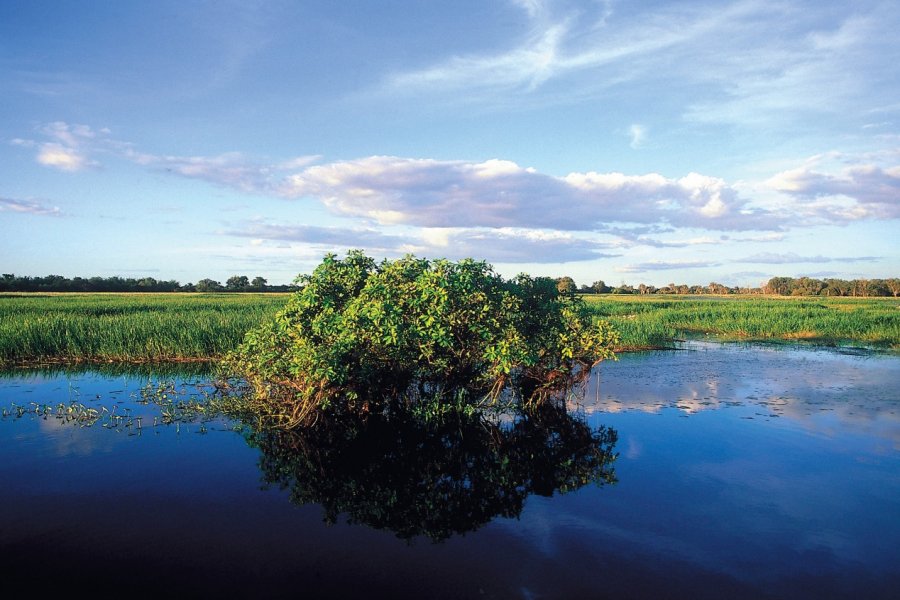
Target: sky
x=623, y=141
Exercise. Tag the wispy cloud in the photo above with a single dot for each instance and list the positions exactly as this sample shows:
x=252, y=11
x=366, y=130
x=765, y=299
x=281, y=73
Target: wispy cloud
x=772, y=258
x=638, y=134
x=811, y=61
x=66, y=148
x=496, y=245
x=666, y=266
x=30, y=207
x=231, y=169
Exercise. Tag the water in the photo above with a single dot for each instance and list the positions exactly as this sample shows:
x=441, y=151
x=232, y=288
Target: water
x=743, y=472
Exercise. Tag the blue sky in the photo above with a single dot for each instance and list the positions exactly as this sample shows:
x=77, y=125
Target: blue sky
x=632, y=142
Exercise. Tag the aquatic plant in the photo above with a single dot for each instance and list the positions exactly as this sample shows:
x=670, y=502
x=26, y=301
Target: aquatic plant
x=358, y=335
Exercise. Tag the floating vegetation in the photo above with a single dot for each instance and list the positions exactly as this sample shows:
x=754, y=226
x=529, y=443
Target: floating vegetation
x=172, y=404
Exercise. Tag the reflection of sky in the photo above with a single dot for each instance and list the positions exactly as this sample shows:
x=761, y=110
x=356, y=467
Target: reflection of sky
x=763, y=464
x=789, y=487
x=824, y=392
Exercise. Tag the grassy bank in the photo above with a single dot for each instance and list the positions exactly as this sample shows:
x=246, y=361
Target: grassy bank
x=127, y=327
x=654, y=321
x=41, y=328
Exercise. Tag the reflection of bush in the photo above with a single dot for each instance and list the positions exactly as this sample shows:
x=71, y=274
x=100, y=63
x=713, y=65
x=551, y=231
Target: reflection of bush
x=434, y=478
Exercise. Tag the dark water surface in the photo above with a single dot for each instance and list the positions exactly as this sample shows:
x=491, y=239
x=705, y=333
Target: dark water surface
x=743, y=472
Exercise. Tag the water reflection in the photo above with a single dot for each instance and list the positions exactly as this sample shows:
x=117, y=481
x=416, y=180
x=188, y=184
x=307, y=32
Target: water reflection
x=821, y=391
x=436, y=479
x=398, y=471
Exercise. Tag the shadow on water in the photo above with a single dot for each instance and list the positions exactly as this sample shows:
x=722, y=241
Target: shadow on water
x=417, y=477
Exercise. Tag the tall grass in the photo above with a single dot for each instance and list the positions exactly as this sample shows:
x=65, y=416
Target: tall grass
x=127, y=327
x=36, y=328
x=655, y=321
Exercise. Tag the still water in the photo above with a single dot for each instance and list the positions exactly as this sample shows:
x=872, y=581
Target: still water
x=741, y=472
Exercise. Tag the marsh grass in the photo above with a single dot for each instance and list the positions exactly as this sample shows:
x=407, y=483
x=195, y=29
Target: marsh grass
x=54, y=329
x=127, y=327
x=656, y=321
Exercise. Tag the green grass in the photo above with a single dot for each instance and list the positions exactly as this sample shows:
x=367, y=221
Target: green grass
x=36, y=328
x=655, y=321
x=54, y=328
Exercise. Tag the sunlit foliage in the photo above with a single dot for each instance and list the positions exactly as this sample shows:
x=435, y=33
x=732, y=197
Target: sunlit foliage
x=440, y=327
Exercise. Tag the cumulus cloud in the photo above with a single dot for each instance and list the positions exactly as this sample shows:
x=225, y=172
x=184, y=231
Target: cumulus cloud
x=496, y=193
x=771, y=258
x=872, y=191
x=30, y=207
x=496, y=245
x=499, y=193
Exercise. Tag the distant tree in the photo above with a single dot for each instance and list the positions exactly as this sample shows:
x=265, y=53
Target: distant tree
x=600, y=287
x=258, y=283
x=893, y=285
x=208, y=285
x=237, y=283
x=836, y=287
x=566, y=285
x=716, y=288
x=623, y=289
x=779, y=285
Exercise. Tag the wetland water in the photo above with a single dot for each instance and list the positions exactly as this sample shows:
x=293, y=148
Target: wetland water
x=742, y=472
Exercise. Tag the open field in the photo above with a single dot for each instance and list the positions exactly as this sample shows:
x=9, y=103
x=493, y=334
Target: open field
x=127, y=327
x=37, y=328
x=654, y=321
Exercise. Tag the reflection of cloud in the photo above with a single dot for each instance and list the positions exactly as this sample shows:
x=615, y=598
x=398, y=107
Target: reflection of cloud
x=823, y=391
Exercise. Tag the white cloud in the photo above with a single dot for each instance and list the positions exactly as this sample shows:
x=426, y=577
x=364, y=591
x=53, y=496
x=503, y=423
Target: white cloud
x=69, y=147
x=31, y=207
x=772, y=258
x=62, y=158
x=496, y=193
x=665, y=266
x=507, y=245
x=638, y=134
x=857, y=192
x=709, y=59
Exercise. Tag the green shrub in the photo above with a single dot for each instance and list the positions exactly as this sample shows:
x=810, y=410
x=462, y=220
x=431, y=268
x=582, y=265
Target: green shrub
x=358, y=336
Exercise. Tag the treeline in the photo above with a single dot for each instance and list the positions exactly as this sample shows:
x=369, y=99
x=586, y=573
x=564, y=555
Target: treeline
x=57, y=283
x=783, y=286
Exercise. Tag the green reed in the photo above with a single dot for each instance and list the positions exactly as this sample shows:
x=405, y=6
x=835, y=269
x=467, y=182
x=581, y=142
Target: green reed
x=655, y=321
x=127, y=327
